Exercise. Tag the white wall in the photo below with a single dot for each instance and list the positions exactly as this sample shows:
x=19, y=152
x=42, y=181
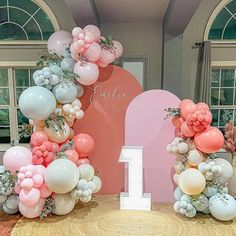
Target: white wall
x=142, y=39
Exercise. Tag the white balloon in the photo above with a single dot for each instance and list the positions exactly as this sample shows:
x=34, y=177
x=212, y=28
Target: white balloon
x=3, y=198
x=12, y=202
x=178, y=194
x=222, y=207
x=194, y=157
x=98, y=183
x=67, y=64
x=53, y=80
x=65, y=92
x=85, y=199
x=64, y=204
x=37, y=103
x=183, y=148
x=226, y=171
x=86, y=172
x=82, y=184
x=61, y=176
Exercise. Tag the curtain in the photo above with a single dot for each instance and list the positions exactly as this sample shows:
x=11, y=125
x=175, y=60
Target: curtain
x=203, y=77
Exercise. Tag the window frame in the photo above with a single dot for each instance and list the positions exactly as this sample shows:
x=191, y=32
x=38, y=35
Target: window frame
x=210, y=21
x=223, y=65
x=53, y=19
x=10, y=66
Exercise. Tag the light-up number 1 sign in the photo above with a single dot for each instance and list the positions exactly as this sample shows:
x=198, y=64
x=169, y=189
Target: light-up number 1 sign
x=134, y=199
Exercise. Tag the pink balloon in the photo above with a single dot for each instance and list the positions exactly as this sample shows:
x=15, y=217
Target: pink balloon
x=72, y=155
x=82, y=161
x=202, y=106
x=101, y=64
x=118, y=48
x=187, y=108
x=29, y=198
x=17, y=157
x=177, y=121
x=87, y=71
x=76, y=32
x=107, y=56
x=210, y=140
x=93, y=52
x=94, y=30
x=84, y=144
x=59, y=41
x=187, y=131
x=38, y=137
x=184, y=101
x=44, y=191
x=31, y=211
x=40, y=169
x=27, y=184
x=37, y=180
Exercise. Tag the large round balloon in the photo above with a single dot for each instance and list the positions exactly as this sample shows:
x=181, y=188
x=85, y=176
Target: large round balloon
x=59, y=41
x=61, y=176
x=65, y=92
x=191, y=181
x=84, y=144
x=17, y=157
x=226, y=171
x=210, y=140
x=222, y=207
x=37, y=103
x=88, y=72
x=64, y=203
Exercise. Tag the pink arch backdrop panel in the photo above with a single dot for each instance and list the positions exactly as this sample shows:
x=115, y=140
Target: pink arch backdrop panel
x=145, y=126
x=105, y=105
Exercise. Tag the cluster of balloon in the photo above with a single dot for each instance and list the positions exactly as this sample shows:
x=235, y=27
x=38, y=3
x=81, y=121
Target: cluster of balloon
x=201, y=177
x=56, y=172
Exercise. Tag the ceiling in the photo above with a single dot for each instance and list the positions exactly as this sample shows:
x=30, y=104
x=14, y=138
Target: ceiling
x=117, y=11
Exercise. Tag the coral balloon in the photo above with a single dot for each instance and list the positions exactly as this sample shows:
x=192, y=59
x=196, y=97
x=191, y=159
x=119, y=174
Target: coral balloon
x=88, y=72
x=186, y=130
x=93, y=52
x=94, y=30
x=17, y=157
x=38, y=137
x=184, y=101
x=118, y=48
x=59, y=41
x=72, y=155
x=84, y=144
x=191, y=181
x=32, y=211
x=210, y=140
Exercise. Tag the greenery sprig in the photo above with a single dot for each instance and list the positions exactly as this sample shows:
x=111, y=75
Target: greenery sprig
x=25, y=131
x=172, y=112
x=47, y=58
x=7, y=181
x=106, y=42
x=48, y=208
x=56, y=122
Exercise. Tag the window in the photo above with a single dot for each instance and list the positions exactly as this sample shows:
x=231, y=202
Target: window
x=223, y=99
x=27, y=20
x=13, y=80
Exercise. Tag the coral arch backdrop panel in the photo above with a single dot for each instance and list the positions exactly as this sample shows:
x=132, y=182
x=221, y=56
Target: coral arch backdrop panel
x=145, y=126
x=106, y=102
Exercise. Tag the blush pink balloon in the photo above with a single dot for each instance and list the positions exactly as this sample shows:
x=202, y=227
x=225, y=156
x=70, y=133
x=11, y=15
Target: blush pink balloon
x=72, y=155
x=93, y=52
x=184, y=101
x=17, y=157
x=32, y=211
x=210, y=140
x=84, y=144
x=38, y=137
x=101, y=64
x=187, y=108
x=118, y=48
x=82, y=161
x=107, y=56
x=44, y=191
x=27, y=184
x=187, y=131
x=94, y=30
x=59, y=41
x=37, y=180
x=76, y=32
x=29, y=198
x=88, y=72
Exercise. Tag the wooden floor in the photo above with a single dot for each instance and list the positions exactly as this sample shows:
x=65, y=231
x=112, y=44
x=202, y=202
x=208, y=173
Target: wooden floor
x=102, y=217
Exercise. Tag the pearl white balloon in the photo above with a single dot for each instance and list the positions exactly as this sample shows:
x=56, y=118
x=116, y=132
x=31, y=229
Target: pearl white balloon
x=65, y=92
x=222, y=207
x=98, y=184
x=61, y=176
x=226, y=171
x=194, y=157
x=85, y=199
x=183, y=148
x=37, y=103
x=64, y=204
x=86, y=172
x=82, y=184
